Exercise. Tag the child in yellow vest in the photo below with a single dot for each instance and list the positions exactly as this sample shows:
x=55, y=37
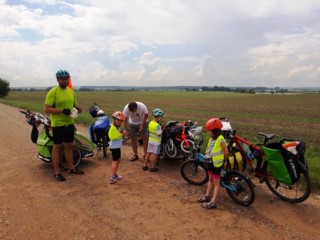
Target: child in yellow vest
x=155, y=133
x=115, y=135
x=216, y=153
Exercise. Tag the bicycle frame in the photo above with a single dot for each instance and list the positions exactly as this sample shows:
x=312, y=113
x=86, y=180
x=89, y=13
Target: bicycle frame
x=255, y=150
x=294, y=192
x=239, y=187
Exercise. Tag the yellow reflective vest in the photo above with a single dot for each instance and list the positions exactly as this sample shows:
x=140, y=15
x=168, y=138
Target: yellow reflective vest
x=216, y=151
x=153, y=136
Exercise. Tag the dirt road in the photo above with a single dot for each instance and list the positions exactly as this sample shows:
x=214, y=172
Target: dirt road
x=144, y=205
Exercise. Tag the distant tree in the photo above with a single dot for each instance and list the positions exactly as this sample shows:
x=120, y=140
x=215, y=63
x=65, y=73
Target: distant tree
x=4, y=88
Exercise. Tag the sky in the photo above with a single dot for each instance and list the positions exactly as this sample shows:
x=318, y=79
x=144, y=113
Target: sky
x=231, y=43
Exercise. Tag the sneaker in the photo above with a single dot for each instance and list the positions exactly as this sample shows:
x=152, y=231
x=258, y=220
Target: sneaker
x=113, y=179
x=119, y=177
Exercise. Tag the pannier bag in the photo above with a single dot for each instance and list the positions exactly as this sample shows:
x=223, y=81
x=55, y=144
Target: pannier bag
x=171, y=132
x=102, y=123
x=283, y=163
x=234, y=162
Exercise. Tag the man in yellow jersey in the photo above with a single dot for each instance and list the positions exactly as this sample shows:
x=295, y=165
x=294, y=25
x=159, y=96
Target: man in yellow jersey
x=59, y=102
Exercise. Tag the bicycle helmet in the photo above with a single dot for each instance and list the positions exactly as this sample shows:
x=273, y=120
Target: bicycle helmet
x=100, y=113
x=157, y=112
x=118, y=115
x=213, y=123
x=62, y=74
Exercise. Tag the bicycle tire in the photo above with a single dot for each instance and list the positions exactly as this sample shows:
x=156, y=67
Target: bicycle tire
x=194, y=172
x=294, y=193
x=76, y=157
x=170, y=149
x=187, y=148
x=104, y=146
x=239, y=187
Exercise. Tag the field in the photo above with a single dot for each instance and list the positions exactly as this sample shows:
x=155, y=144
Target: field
x=295, y=116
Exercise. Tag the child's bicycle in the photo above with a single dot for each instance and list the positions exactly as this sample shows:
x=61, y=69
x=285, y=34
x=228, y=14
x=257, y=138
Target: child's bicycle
x=180, y=138
x=98, y=131
x=280, y=165
x=82, y=147
x=238, y=186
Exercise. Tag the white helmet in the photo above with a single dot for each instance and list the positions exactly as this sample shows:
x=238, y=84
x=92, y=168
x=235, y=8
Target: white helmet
x=100, y=113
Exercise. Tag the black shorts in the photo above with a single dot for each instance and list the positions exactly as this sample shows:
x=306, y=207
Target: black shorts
x=213, y=169
x=116, y=154
x=63, y=134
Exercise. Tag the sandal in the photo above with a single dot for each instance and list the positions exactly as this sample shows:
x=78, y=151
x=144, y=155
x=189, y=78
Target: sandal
x=59, y=177
x=154, y=169
x=134, y=158
x=204, y=199
x=76, y=171
x=209, y=205
x=145, y=168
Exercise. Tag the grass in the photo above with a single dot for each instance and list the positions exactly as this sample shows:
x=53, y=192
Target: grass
x=295, y=116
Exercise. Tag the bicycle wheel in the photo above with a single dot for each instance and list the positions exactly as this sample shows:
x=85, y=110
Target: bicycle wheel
x=194, y=172
x=170, y=150
x=294, y=193
x=187, y=146
x=104, y=146
x=239, y=187
x=76, y=157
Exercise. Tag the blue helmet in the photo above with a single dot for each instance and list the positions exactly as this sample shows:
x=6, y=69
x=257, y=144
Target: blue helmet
x=62, y=74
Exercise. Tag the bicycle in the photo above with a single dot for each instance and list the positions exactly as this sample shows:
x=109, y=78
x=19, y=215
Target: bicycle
x=99, y=129
x=178, y=137
x=294, y=191
x=82, y=147
x=239, y=187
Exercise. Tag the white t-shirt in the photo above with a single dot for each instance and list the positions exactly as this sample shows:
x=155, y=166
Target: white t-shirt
x=136, y=118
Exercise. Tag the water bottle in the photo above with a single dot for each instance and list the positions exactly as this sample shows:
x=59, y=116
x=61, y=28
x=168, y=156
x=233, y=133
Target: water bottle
x=248, y=151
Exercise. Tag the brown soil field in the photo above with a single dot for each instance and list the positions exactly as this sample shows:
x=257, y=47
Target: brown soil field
x=144, y=205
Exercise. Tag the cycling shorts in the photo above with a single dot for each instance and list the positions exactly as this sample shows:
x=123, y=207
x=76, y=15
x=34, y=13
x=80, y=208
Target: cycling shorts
x=63, y=134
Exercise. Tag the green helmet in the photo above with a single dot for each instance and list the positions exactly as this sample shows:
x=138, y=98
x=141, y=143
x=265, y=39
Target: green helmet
x=157, y=112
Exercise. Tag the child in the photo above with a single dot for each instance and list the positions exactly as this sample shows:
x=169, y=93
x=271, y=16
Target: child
x=216, y=153
x=115, y=144
x=154, y=143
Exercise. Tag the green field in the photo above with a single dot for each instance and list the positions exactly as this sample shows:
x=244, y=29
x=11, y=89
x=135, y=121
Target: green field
x=295, y=116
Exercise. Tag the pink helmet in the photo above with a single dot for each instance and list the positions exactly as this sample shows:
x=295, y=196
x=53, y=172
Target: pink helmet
x=119, y=115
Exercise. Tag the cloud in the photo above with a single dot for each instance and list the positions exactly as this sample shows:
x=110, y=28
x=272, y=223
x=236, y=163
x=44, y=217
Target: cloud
x=138, y=42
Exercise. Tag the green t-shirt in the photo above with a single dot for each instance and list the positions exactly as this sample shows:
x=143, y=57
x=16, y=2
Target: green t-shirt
x=61, y=98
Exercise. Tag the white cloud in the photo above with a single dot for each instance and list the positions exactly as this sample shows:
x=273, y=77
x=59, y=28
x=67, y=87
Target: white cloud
x=138, y=42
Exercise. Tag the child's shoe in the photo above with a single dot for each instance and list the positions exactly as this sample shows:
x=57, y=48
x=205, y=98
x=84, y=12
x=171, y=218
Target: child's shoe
x=119, y=177
x=113, y=179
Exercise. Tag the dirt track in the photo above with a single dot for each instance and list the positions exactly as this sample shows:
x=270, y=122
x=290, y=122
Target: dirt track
x=143, y=205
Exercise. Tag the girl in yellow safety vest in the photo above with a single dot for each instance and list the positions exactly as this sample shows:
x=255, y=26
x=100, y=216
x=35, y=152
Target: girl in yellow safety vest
x=216, y=153
x=115, y=135
x=155, y=133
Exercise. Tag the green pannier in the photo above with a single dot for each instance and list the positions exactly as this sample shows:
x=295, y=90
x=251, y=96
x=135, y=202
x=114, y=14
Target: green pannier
x=277, y=163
